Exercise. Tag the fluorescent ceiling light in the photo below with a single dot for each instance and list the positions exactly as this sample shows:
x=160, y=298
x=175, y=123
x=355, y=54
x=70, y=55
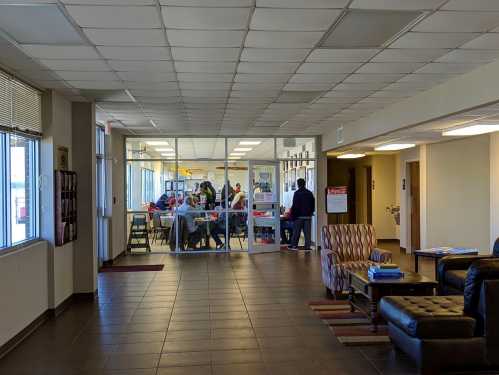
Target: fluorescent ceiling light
x=166, y=149
x=234, y=157
x=394, y=146
x=350, y=156
x=243, y=149
x=250, y=143
x=472, y=130
x=237, y=154
x=157, y=143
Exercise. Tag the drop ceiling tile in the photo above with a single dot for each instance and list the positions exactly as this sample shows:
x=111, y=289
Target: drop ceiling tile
x=97, y=85
x=76, y=65
x=130, y=17
x=204, y=77
x=205, y=85
x=205, y=18
x=281, y=39
x=396, y=4
x=204, y=67
x=293, y=19
x=337, y=100
x=317, y=78
x=159, y=66
x=475, y=5
x=258, y=78
x=60, y=52
x=205, y=54
x=274, y=55
x=255, y=94
x=264, y=67
x=108, y=2
x=347, y=94
x=209, y=3
x=307, y=86
x=409, y=55
x=257, y=86
x=87, y=76
x=341, y=55
x=147, y=85
x=468, y=22
x=371, y=86
x=427, y=77
x=205, y=38
x=390, y=68
x=470, y=56
x=447, y=68
x=155, y=93
x=334, y=68
x=301, y=4
x=126, y=37
x=135, y=53
x=408, y=86
x=432, y=40
x=147, y=76
x=373, y=78
x=486, y=41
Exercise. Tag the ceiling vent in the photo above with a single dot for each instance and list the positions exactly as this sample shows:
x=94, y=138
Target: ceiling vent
x=368, y=29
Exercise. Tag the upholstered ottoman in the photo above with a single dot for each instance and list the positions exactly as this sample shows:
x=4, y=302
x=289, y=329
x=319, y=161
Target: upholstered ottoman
x=433, y=331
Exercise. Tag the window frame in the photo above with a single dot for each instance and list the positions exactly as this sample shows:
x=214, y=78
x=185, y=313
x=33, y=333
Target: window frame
x=147, y=185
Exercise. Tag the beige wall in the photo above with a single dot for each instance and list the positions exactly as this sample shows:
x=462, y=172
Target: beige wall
x=458, y=193
x=383, y=195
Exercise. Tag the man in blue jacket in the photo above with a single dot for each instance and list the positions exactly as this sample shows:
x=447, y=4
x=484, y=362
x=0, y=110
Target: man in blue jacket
x=302, y=210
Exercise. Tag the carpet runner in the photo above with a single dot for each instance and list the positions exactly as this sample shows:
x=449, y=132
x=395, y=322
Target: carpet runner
x=138, y=268
x=351, y=328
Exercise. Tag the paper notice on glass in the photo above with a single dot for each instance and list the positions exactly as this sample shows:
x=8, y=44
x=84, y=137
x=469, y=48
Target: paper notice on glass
x=336, y=199
x=264, y=197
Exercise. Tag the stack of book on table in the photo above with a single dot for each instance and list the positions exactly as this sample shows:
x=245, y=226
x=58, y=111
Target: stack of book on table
x=385, y=271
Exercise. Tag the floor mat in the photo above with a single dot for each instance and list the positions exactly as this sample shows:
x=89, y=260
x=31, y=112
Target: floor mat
x=138, y=268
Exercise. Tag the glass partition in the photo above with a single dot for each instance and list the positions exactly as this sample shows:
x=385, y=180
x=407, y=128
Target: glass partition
x=251, y=148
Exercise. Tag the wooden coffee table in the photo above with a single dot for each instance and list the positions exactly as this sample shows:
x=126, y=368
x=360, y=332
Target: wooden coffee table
x=366, y=293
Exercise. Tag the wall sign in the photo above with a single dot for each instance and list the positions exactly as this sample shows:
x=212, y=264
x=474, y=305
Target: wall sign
x=336, y=199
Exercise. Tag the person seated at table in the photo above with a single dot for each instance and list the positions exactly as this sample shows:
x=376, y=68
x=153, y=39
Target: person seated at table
x=238, y=201
x=209, y=193
x=189, y=212
x=151, y=207
x=218, y=228
x=230, y=195
x=163, y=202
x=286, y=227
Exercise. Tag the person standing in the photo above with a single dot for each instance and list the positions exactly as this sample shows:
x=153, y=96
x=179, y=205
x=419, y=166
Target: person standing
x=301, y=213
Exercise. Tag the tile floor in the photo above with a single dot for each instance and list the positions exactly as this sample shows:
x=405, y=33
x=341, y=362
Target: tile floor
x=204, y=314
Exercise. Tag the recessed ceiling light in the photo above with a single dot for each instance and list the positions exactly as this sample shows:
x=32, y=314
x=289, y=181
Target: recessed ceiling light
x=157, y=143
x=237, y=154
x=394, y=146
x=167, y=149
x=243, y=149
x=350, y=156
x=250, y=143
x=472, y=130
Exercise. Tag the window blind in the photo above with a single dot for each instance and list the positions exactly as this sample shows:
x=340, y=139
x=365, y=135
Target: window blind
x=20, y=105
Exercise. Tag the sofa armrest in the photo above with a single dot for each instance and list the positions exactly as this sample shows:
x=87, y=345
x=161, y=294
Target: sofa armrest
x=456, y=262
x=330, y=257
x=380, y=255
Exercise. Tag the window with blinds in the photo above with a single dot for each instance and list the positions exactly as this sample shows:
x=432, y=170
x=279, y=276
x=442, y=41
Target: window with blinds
x=20, y=105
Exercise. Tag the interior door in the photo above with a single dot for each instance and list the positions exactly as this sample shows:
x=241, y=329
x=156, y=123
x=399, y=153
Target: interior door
x=264, y=207
x=415, y=202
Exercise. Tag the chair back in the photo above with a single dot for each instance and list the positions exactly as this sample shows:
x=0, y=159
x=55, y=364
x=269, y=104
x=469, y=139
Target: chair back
x=156, y=220
x=495, y=249
x=352, y=242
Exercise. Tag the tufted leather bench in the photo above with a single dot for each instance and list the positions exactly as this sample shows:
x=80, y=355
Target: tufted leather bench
x=428, y=317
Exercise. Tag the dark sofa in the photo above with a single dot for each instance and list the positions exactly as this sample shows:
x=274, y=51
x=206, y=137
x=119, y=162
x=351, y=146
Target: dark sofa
x=450, y=331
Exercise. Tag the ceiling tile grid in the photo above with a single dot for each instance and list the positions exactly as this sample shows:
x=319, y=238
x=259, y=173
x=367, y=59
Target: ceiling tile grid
x=241, y=66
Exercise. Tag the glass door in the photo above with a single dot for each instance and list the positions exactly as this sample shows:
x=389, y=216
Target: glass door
x=264, y=208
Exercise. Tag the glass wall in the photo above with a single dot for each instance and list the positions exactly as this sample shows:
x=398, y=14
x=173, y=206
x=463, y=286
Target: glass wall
x=192, y=194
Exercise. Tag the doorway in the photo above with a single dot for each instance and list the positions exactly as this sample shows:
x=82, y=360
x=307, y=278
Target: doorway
x=414, y=196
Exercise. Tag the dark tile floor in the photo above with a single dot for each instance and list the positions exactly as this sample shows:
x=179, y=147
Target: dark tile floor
x=204, y=314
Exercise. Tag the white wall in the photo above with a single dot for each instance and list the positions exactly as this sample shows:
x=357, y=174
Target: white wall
x=23, y=288
x=458, y=193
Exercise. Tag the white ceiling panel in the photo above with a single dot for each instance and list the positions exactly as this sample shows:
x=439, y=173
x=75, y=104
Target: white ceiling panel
x=165, y=100
x=204, y=67
x=147, y=85
x=205, y=85
x=334, y=68
x=142, y=66
x=205, y=54
x=347, y=94
x=361, y=86
x=147, y=76
x=208, y=3
x=475, y=5
x=441, y=22
x=317, y=78
x=264, y=67
x=129, y=17
x=107, y=2
x=307, y=86
x=341, y=55
x=370, y=78
x=293, y=19
x=427, y=77
x=446, y=68
x=301, y=3
x=135, y=53
x=470, y=56
x=432, y=40
x=390, y=68
x=42, y=51
x=257, y=86
x=274, y=55
x=126, y=37
x=280, y=39
x=258, y=78
x=485, y=41
x=76, y=65
x=87, y=76
x=396, y=4
x=204, y=77
x=205, y=38
x=155, y=93
x=409, y=55
x=206, y=18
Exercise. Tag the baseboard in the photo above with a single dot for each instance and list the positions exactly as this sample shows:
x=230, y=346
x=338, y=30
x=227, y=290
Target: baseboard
x=110, y=262
x=27, y=331
x=42, y=318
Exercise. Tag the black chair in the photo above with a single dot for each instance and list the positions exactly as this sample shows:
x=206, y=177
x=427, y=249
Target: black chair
x=453, y=269
x=450, y=332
